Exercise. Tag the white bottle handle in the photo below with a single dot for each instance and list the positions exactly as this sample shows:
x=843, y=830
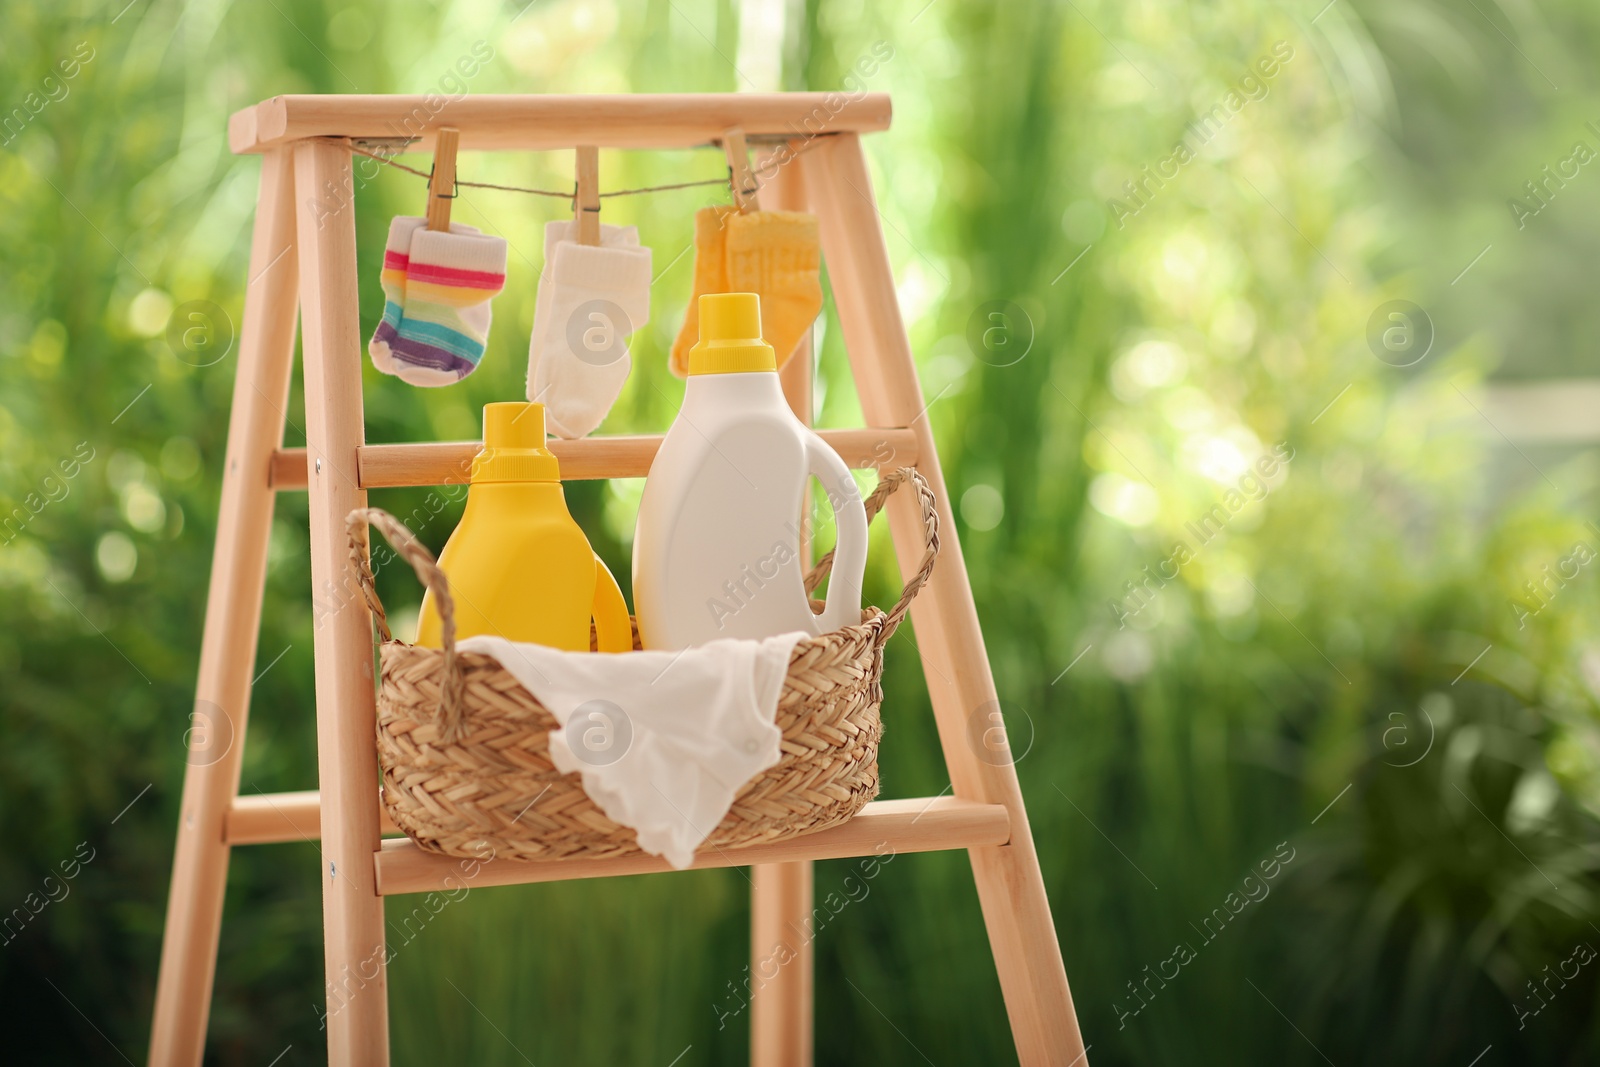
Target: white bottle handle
x=843, y=607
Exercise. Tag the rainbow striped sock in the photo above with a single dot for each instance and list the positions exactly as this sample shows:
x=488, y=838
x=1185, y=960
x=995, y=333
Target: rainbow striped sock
x=396, y=258
x=435, y=334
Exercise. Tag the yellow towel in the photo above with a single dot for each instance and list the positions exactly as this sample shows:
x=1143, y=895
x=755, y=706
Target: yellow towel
x=774, y=254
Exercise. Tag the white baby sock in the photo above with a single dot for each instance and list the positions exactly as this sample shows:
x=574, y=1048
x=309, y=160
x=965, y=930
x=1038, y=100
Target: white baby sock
x=591, y=299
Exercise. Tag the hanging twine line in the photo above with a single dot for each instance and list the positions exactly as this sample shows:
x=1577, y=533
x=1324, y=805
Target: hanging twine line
x=427, y=175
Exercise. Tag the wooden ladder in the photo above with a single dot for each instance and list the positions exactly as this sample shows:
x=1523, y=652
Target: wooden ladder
x=303, y=254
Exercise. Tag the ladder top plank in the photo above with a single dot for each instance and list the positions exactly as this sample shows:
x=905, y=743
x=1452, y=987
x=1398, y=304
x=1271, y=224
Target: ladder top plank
x=537, y=122
x=916, y=825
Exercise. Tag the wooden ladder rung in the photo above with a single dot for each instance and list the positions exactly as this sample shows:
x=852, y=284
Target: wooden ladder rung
x=269, y=818
x=450, y=462
x=915, y=825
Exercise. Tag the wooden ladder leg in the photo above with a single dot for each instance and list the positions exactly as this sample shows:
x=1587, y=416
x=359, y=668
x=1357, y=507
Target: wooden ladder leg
x=1010, y=886
x=780, y=965
x=347, y=759
x=233, y=623
x=781, y=957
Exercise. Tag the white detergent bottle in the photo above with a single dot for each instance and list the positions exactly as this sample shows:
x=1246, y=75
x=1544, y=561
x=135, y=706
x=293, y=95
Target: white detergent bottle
x=716, y=550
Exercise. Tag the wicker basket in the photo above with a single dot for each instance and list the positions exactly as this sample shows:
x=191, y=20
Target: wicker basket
x=465, y=748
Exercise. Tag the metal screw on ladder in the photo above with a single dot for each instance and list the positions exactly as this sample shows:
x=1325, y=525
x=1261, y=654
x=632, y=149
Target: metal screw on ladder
x=319, y=465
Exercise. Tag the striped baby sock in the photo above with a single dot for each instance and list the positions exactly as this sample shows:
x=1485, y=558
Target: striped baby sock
x=396, y=258
x=444, y=314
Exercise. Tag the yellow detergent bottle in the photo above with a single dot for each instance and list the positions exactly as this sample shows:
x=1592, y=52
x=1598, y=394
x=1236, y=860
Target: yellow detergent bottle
x=519, y=566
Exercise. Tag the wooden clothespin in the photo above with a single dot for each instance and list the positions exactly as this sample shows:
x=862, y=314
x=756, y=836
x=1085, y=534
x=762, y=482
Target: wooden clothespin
x=742, y=178
x=586, y=200
x=442, y=183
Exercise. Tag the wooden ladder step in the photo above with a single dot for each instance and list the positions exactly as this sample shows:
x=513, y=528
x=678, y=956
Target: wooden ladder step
x=620, y=456
x=884, y=827
x=269, y=818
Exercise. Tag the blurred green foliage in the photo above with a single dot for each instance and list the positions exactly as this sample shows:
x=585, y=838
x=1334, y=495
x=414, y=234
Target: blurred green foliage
x=1341, y=676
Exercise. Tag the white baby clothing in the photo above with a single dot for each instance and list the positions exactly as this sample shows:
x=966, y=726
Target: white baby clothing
x=591, y=299
x=663, y=740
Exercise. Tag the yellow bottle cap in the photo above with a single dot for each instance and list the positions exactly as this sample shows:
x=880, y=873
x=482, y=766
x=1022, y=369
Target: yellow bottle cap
x=730, y=336
x=514, y=446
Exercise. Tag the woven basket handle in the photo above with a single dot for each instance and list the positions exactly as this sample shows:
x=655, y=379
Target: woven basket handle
x=930, y=525
x=415, y=553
